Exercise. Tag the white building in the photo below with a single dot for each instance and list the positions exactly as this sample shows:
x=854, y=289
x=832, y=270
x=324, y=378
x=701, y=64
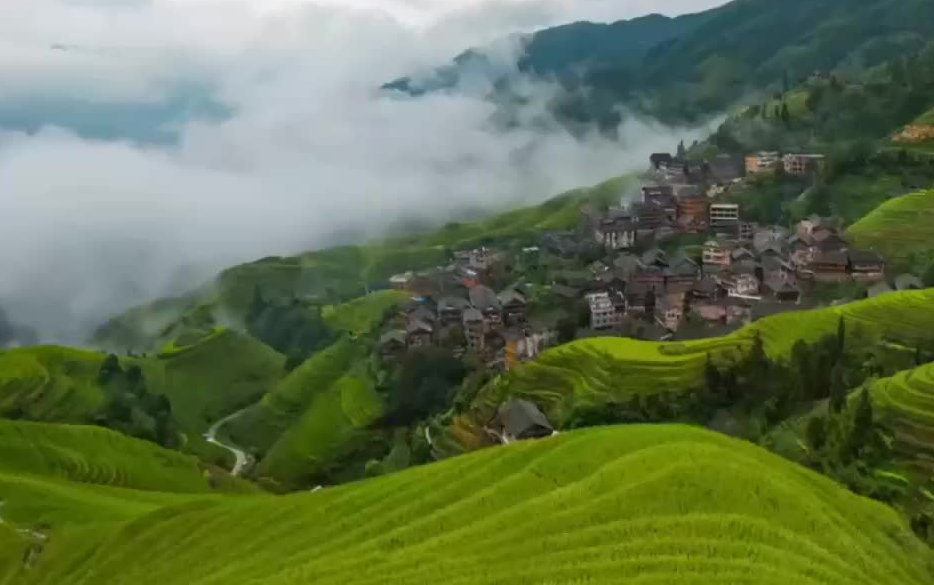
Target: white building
x=603, y=314
x=724, y=212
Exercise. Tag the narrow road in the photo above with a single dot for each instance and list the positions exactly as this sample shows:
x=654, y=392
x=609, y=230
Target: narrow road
x=242, y=459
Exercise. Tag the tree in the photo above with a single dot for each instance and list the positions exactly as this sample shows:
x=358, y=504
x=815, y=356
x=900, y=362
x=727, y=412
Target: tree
x=758, y=360
x=682, y=152
x=786, y=114
x=862, y=430
x=801, y=358
x=841, y=339
x=817, y=432
x=135, y=380
x=293, y=360
x=837, y=389
x=567, y=330
x=109, y=368
x=712, y=376
x=927, y=278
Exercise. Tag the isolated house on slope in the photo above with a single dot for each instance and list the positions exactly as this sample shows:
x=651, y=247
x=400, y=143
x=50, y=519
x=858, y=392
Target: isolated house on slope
x=523, y=420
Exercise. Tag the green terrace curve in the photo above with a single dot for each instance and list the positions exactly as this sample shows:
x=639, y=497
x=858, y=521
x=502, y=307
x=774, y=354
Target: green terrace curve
x=646, y=504
x=898, y=227
x=597, y=371
x=906, y=401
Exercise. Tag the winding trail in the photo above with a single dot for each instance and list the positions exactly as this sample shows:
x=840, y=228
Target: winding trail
x=242, y=459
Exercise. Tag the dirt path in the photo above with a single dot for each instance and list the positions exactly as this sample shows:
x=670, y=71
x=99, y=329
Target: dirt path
x=242, y=459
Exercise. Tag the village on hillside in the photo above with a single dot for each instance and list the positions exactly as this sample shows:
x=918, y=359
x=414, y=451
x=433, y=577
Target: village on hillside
x=674, y=259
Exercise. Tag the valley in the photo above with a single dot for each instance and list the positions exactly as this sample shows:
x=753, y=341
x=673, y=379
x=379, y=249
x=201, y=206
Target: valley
x=714, y=367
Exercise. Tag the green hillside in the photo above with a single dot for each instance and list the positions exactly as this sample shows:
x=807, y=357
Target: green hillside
x=50, y=383
x=214, y=376
x=898, y=228
x=652, y=504
x=67, y=474
x=906, y=403
x=364, y=313
x=94, y=455
x=338, y=275
x=698, y=65
x=596, y=371
x=315, y=421
x=204, y=377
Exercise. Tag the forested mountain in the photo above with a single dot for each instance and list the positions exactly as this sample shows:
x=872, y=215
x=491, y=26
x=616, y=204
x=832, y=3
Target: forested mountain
x=685, y=68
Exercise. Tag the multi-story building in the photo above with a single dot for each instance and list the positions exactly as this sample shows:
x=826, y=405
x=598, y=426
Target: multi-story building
x=603, y=313
x=762, y=163
x=803, y=164
x=721, y=213
x=616, y=233
x=717, y=253
x=474, y=329
x=693, y=211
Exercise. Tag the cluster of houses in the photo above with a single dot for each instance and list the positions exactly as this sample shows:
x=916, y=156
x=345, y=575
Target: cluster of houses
x=743, y=271
x=451, y=306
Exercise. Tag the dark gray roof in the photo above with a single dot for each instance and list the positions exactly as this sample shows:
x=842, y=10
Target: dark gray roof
x=566, y=291
x=773, y=263
x=472, y=314
x=747, y=266
x=511, y=295
x=804, y=239
x=865, y=257
x=519, y=416
x=416, y=326
x=424, y=314
x=778, y=285
x=396, y=335
x=908, y=282
x=453, y=303
x=708, y=285
x=839, y=258
x=628, y=263
x=879, y=288
x=483, y=298
x=654, y=255
x=683, y=266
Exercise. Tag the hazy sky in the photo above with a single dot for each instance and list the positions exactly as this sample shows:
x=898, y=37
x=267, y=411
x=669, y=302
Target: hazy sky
x=297, y=148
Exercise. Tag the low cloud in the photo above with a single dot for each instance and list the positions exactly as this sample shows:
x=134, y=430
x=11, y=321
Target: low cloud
x=308, y=153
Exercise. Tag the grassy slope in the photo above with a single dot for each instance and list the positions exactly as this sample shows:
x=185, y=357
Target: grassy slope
x=96, y=455
x=898, y=227
x=906, y=402
x=595, y=371
x=658, y=504
x=214, y=377
x=50, y=383
x=347, y=270
x=204, y=381
x=66, y=474
x=364, y=313
x=319, y=411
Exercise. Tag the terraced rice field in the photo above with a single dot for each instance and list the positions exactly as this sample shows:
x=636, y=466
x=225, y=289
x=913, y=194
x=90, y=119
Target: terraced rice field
x=596, y=371
x=906, y=401
x=49, y=383
x=67, y=474
x=321, y=409
x=898, y=227
x=95, y=455
x=361, y=315
x=637, y=504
